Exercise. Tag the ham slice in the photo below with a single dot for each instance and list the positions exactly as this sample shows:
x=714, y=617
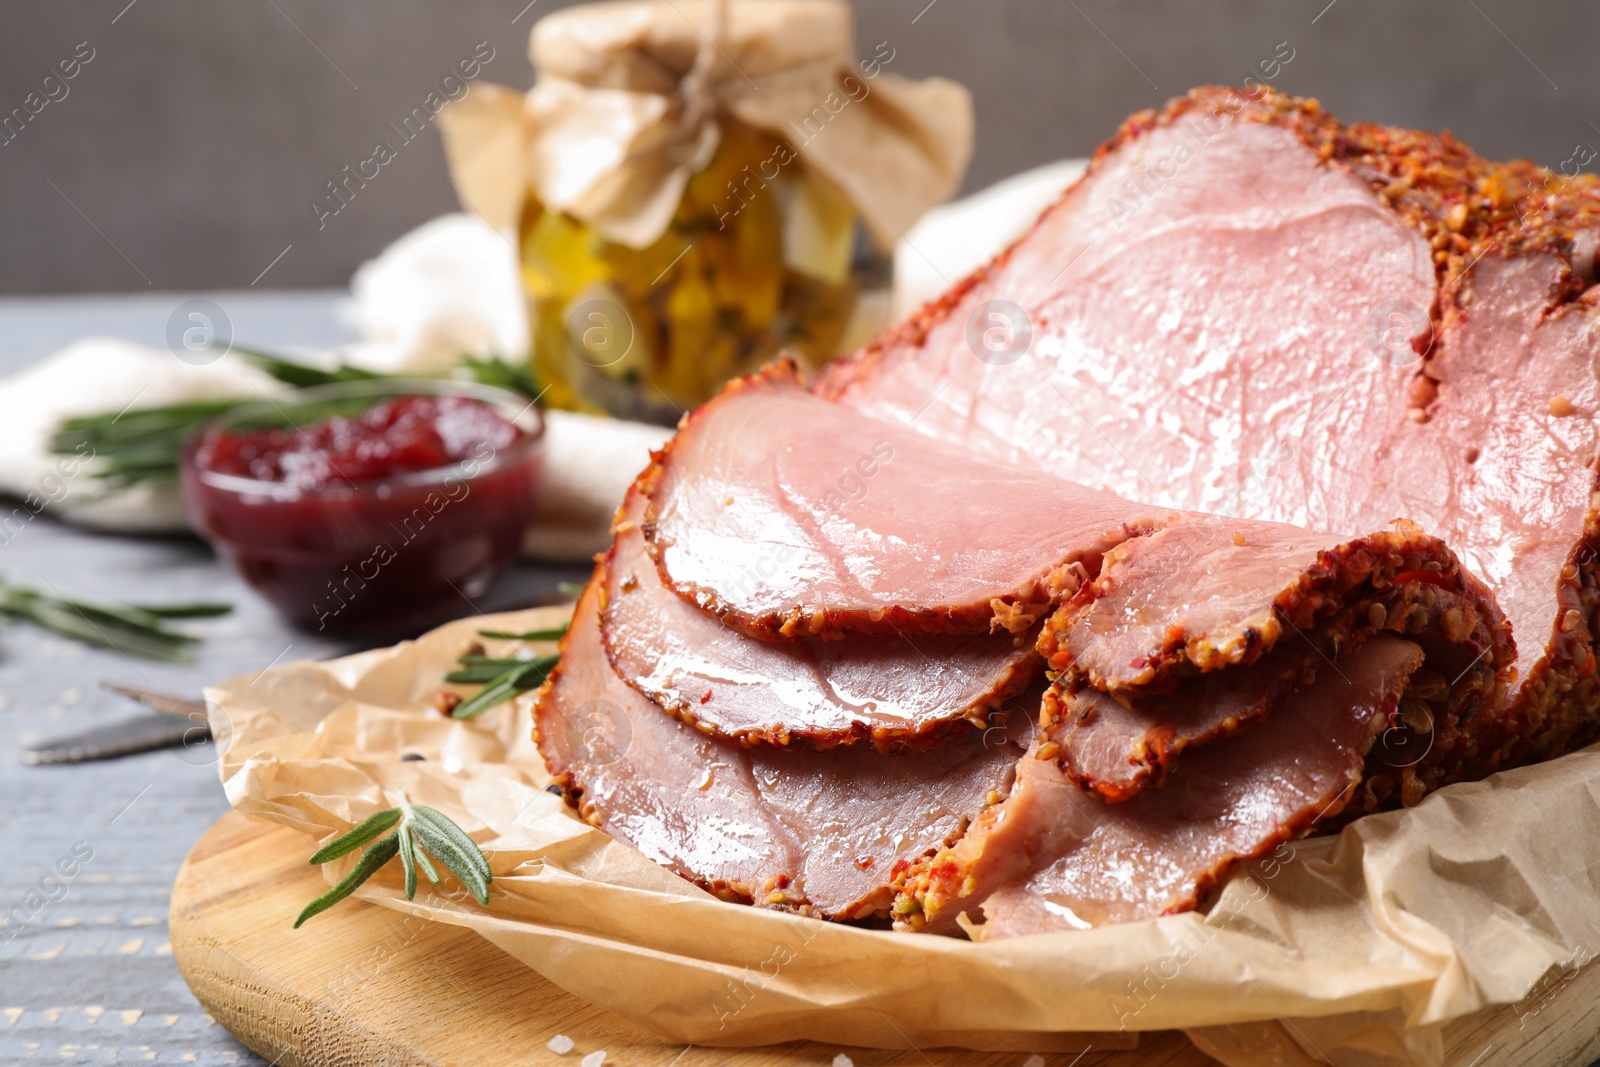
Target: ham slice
x=1053, y=857
x=820, y=833
x=1186, y=612
x=1117, y=746
x=1246, y=308
x=1205, y=595
x=893, y=692
x=789, y=516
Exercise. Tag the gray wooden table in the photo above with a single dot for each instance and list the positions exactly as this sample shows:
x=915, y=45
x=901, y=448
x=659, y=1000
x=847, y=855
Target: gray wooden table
x=86, y=971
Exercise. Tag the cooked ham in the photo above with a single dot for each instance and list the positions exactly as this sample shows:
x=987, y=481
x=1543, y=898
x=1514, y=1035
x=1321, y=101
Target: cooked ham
x=893, y=692
x=790, y=516
x=1195, y=594
x=1260, y=325
x=1053, y=857
x=1184, y=610
x=816, y=832
x=1248, y=309
x=1204, y=595
x=1116, y=746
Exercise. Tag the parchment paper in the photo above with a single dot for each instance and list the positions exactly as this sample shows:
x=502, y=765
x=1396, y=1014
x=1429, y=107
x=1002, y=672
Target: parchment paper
x=1369, y=941
x=630, y=96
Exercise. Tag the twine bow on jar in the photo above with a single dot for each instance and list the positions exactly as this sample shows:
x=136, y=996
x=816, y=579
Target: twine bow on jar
x=630, y=96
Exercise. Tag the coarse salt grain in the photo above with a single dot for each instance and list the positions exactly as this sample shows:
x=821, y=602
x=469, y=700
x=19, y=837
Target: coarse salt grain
x=841, y=1060
x=593, y=1059
x=561, y=1044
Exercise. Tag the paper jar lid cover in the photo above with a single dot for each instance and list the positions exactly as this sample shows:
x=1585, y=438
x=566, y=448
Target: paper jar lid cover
x=630, y=96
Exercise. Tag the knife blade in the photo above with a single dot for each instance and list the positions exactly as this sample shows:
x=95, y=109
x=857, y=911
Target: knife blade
x=175, y=721
x=150, y=698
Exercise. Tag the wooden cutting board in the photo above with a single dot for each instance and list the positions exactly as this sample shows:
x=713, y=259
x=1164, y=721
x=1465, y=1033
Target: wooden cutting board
x=360, y=987
x=356, y=986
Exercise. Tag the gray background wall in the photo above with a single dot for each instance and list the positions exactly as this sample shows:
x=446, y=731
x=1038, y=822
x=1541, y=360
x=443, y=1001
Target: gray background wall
x=185, y=152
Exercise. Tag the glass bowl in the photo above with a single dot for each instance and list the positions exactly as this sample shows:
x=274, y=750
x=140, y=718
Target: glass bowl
x=387, y=554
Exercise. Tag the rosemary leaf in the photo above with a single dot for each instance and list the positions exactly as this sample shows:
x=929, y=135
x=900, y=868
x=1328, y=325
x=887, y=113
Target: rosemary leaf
x=59, y=617
x=484, y=670
x=450, y=844
x=513, y=376
x=137, y=446
x=197, y=610
x=348, y=842
x=122, y=615
x=408, y=860
x=425, y=863
x=369, y=863
x=136, y=425
x=554, y=634
x=302, y=375
x=441, y=822
x=482, y=674
x=497, y=692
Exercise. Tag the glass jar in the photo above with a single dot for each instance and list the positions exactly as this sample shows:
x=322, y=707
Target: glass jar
x=763, y=255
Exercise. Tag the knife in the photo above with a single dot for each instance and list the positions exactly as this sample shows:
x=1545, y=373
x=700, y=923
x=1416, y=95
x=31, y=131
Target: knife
x=175, y=721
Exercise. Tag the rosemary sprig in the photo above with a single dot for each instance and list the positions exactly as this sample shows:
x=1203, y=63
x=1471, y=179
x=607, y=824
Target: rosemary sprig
x=502, y=686
x=502, y=677
x=144, y=445
x=140, y=445
x=136, y=629
x=421, y=830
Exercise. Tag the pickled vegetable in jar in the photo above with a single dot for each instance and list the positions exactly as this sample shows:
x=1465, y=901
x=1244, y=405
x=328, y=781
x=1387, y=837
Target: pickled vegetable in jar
x=748, y=268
